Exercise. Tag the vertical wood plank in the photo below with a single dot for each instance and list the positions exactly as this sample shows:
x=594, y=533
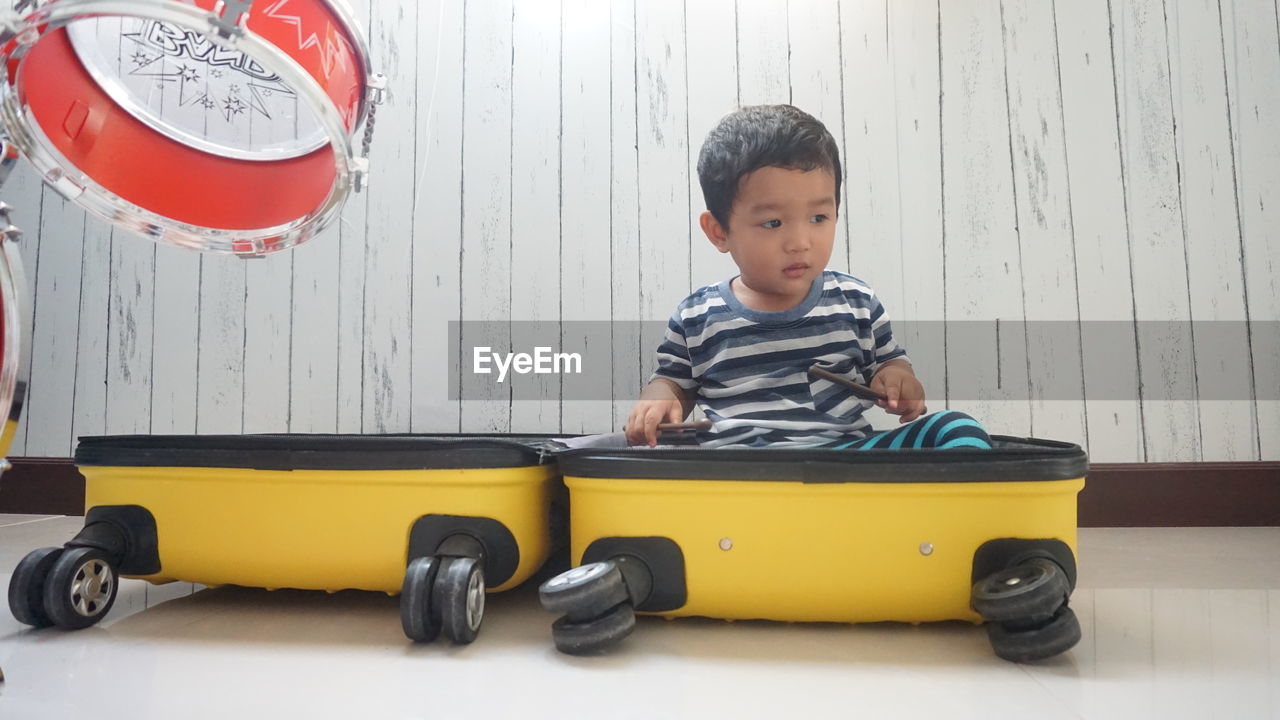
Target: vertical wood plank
x=1102, y=244
x=918, y=313
x=90, y=406
x=764, y=67
x=267, y=323
x=663, y=168
x=1253, y=88
x=1212, y=230
x=585, y=207
x=437, y=230
x=220, y=380
x=713, y=93
x=353, y=244
x=24, y=192
x=175, y=338
x=629, y=349
x=536, y=237
x=1046, y=239
x=1166, y=368
x=50, y=395
x=313, y=359
x=984, y=283
x=130, y=326
x=817, y=87
x=389, y=251
x=486, y=206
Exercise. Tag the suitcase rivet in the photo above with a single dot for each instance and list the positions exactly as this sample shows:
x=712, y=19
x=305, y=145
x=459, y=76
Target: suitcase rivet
x=726, y=544
x=926, y=548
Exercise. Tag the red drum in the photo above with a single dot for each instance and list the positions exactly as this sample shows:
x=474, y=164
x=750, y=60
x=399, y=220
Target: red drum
x=222, y=125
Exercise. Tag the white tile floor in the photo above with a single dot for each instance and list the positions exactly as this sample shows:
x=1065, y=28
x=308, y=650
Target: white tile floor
x=1177, y=624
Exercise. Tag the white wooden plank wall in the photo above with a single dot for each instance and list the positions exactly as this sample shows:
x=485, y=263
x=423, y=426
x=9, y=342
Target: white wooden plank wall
x=1079, y=162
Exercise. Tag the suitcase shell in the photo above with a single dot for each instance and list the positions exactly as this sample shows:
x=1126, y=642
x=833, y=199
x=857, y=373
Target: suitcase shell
x=822, y=535
x=319, y=512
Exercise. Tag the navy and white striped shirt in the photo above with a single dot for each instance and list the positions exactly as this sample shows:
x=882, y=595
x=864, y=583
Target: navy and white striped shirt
x=750, y=368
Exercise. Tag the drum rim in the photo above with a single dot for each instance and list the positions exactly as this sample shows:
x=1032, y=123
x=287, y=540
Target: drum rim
x=122, y=96
x=13, y=296
x=27, y=134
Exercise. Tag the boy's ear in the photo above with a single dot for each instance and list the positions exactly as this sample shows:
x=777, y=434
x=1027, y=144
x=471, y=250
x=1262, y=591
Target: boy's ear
x=715, y=232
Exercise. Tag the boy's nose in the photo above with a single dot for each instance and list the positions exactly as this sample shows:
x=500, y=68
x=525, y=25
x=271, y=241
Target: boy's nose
x=797, y=241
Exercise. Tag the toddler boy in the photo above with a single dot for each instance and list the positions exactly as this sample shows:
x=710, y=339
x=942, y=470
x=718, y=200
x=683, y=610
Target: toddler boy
x=742, y=349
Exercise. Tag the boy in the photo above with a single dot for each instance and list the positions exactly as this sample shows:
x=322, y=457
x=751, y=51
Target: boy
x=742, y=348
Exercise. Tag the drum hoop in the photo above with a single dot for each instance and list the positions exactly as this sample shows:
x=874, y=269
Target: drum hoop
x=29, y=137
x=13, y=285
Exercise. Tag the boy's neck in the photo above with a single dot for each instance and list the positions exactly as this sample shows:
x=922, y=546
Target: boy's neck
x=764, y=302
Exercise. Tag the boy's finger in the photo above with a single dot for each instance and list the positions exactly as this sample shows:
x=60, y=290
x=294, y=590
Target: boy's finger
x=894, y=392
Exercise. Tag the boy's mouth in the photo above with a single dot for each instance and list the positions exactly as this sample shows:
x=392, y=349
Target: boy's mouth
x=795, y=270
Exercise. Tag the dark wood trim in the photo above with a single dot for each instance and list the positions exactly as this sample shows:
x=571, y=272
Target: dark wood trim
x=1235, y=494
x=1240, y=494
x=42, y=486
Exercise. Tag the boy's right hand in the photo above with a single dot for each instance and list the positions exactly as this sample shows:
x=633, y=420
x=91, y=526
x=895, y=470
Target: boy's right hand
x=642, y=424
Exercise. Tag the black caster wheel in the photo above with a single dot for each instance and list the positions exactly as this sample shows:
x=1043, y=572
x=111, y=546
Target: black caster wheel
x=593, y=636
x=458, y=595
x=26, y=587
x=80, y=588
x=1033, y=590
x=418, y=616
x=585, y=592
x=1017, y=643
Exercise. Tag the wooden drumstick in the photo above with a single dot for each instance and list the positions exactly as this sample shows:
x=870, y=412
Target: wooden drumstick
x=679, y=427
x=861, y=391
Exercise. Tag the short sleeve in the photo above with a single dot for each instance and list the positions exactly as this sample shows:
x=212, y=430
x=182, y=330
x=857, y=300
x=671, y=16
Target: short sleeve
x=886, y=346
x=673, y=357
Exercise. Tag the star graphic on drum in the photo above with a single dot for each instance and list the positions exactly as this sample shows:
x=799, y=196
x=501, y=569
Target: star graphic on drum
x=216, y=73
x=188, y=74
x=140, y=58
x=233, y=106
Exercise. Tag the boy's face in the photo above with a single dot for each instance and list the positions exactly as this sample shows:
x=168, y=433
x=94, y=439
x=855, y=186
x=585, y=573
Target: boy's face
x=782, y=227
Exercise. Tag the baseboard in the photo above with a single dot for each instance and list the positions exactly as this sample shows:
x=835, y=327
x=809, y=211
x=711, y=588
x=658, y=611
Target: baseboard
x=1232, y=494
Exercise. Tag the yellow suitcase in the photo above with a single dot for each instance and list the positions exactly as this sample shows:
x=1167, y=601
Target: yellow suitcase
x=439, y=519
x=824, y=535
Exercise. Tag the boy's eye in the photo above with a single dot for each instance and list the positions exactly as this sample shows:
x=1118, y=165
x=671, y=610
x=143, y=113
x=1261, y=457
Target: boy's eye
x=820, y=218
x=771, y=224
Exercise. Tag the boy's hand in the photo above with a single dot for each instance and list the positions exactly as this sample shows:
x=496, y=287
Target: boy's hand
x=905, y=393
x=660, y=402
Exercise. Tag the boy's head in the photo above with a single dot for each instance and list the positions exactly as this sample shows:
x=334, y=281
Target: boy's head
x=770, y=175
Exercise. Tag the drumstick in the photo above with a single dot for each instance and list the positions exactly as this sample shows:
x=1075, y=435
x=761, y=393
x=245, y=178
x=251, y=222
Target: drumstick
x=678, y=427
x=861, y=391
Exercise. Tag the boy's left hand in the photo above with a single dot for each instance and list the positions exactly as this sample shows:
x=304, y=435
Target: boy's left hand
x=905, y=393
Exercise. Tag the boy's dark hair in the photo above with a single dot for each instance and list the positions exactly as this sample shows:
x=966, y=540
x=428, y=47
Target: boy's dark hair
x=761, y=136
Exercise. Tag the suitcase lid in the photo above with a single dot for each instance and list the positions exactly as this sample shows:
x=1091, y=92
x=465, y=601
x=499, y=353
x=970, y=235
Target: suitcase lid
x=316, y=452
x=1010, y=460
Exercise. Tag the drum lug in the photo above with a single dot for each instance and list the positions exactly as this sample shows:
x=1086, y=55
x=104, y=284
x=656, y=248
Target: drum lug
x=228, y=20
x=359, y=172
x=376, y=84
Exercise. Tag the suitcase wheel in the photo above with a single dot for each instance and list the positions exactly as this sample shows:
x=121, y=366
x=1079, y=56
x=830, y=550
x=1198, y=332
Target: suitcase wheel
x=592, y=636
x=1032, y=590
x=419, y=618
x=26, y=587
x=1020, y=643
x=459, y=593
x=80, y=588
x=585, y=592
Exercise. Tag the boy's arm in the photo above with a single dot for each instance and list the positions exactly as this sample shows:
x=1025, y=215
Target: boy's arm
x=662, y=400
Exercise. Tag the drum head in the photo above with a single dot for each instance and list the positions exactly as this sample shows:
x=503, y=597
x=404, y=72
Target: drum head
x=231, y=140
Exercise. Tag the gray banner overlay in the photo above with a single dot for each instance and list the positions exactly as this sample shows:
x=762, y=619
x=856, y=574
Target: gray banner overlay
x=961, y=360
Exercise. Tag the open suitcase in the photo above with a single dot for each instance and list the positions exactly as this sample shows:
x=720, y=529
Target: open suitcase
x=437, y=518
x=824, y=535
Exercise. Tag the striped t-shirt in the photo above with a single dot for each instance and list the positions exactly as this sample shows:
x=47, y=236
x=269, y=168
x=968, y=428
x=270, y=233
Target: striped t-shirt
x=750, y=368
